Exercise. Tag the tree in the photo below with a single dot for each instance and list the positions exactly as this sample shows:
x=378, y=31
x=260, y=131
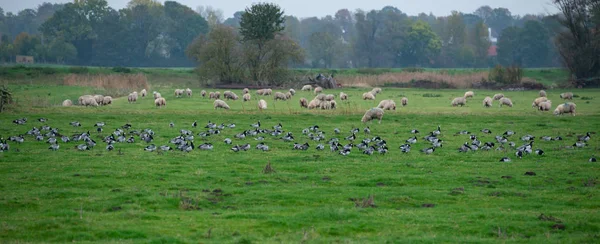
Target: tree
x=421, y=44
x=62, y=51
x=183, y=26
x=534, y=44
x=579, y=45
x=509, y=51
x=24, y=44
x=365, y=42
x=480, y=43
x=324, y=49
x=235, y=20
x=212, y=15
x=259, y=25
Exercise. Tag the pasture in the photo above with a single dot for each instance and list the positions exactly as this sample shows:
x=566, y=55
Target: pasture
x=220, y=196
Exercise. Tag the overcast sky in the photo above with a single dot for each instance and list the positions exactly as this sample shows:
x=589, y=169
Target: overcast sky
x=320, y=8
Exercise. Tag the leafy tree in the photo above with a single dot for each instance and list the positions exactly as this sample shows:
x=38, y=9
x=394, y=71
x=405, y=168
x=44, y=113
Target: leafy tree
x=324, y=49
x=534, y=44
x=480, y=44
x=235, y=20
x=24, y=44
x=183, y=26
x=212, y=15
x=365, y=43
x=421, y=44
x=509, y=51
x=62, y=51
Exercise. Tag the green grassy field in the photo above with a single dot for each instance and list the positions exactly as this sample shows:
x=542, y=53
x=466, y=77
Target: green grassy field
x=220, y=196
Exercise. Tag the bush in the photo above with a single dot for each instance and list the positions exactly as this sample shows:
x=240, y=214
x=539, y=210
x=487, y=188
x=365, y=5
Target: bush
x=121, y=70
x=5, y=98
x=79, y=70
x=413, y=70
x=506, y=75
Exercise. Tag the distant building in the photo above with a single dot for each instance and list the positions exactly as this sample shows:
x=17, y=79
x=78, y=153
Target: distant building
x=493, y=50
x=21, y=59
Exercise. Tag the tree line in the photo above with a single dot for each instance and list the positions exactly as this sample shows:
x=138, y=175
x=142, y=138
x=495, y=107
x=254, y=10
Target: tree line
x=149, y=33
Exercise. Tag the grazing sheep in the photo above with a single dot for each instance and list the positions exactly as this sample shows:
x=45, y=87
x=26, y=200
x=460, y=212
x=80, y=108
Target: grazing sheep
x=264, y=92
x=246, y=97
x=89, y=101
x=100, y=98
x=368, y=96
x=333, y=104
x=178, y=92
x=387, y=105
x=67, y=103
x=156, y=95
x=325, y=105
x=314, y=104
x=160, y=102
x=217, y=95
x=343, y=96
x=498, y=96
x=329, y=97
x=545, y=106
x=318, y=90
x=262, y=104
x=506, y=101
x=230, y=95
x=376, y=90
x=462, y=101
x=565, y=108
x=131, y=98
x=320, y=97
x=303, y=103
x=246, y=91
x=107, y=100
x=203, y=93
x=542, y=93
x=487, y=102
x=143, y=93
x=567, y=95
x=288, y=95
x=211, y=95
x=374, y=113
x=307, y=88
x=268, y=92
x=404, y=101
x=82, y=98
x=292, y=91
x=469, y=94
x=279, y=96
x=220, y=104
x=188, y=91
x=537, y=101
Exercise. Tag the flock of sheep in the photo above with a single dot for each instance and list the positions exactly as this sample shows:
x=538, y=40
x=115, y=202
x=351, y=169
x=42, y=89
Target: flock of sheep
x=541, y=103
x=90, y=100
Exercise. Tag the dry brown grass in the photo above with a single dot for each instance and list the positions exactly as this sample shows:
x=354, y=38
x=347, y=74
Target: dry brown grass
x=457, y=81
x=112, y=81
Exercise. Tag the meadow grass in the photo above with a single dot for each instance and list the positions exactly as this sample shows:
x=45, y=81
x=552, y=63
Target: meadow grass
x=224, y=197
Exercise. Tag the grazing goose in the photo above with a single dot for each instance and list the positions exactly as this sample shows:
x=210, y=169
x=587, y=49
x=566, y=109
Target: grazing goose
x=355, y=130
x=345, y=152
x=210, y=125
x=130, y=140
x=52, y=147
x=303, y=147
x=75, y=124
x=367, y=130
x=438, y=131
x=336, y=131
x=51, y=140
x=231, y=126
x=412, y=140
x=320, y=147
x=126, y=126
x=171, y=125
x=382, y=150
x=99, y=129
x=227, y=141
x=240, y=135
x=278, y=126
x=505, y=159
x=509, y=133
x=206, y=146
x=99, y=124
x=486, y=131
x=428, y=150
x=414, y=131
x=110, y=147
x=334, y=147
x=39, y=138
x=585, y=138
x=165, y=148
x=262, y=146
x=546, y=138
x=82, y=147
x=558, y=138
x=527, y=138
x=260, y=138
x=369, y=150
x=20, y=121
x=150, y=148
x=245, y=147
x=42, y=120
x=464, y=148
x=188, y=147
x=539, y=152
x=195, y=124
x=256, y=125
x=405, y=148
x=519, y=154
x=4, y=146
x=592, y=159
x=221, y=126
x=305, y=131
x=579, y=144
x=351, y=137
x=463, y=132
x=65, y=139
x=288, y=137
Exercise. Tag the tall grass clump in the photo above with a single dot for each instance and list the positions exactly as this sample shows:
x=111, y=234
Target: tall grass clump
x=113, y=84
x=415, y=79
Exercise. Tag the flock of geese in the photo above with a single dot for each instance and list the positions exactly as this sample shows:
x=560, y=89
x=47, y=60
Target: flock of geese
x=368, y=145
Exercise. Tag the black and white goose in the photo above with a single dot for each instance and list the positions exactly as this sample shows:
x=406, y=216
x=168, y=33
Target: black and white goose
x=336, y=131
x=367, y=130
x=53, y=147
x=579, y=144
x=110, y=147
x=99, y=124
x=262, y=146
x=509, y=133
x=414, y=131
x=519, y=154
x=195, y=124
x=505, y=159
x=320, y=147
x=171, y=124
x=438, y=131
x=592, y=159
x=298, y=146
x=256, y=125
x=405, y=148
x=428, y=150
x=585, y=138
x=75, y=124
x=42, y=120
x=539, y=152
x=206, y=146
x=165, y=148
x=245, y=147
x=288, y=137
x=412, y=140
x=345, y=152
x=82, y=147
x=486, y=131
x=351, y=137
x=227, y=141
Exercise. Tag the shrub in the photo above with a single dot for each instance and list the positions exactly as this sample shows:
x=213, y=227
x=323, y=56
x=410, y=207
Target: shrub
x=413, y=69
x=506, y=75
x=5, y=98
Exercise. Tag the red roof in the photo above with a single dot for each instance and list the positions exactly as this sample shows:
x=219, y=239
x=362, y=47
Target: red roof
x=493, y=51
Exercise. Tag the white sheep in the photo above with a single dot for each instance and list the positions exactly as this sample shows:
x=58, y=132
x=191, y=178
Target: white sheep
x=131, y=98
x=506, y=101
x=307, y=88
x=333, y=104
x=268, y=92
x=288, y=95
x=315, y=103
x=262, y=104
x=217, y=95
x=537, y=101
x=376, y=90
x=160, y=102
x=99, y=99
x=368, y=96
x=156, y=95
x=178, y=92
x=230, y=95
x=318, y=90
x=320, y=97
x=329, y=97
x=565, y=108
x=469, y=94
x=203, y=93
x=67, y=103
x=303, y=103
x=279, y=96
x=220, y=104
x=567, y=95
x=462, y=101
x=82, y=98
x=143, y=93
x=542, y=93
x=374, y=113
x=498, y=96
x=404, y=101
x=246, y=97
x=211, y=95
x=487, y=102
x=325, y=105
x=343, y=96
x=292, y=91
x=545, y=106
x=264, y=92
x=387, y=105
x=188, y=91
x=246, y=91
x=88, y=100
x=107, y=100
